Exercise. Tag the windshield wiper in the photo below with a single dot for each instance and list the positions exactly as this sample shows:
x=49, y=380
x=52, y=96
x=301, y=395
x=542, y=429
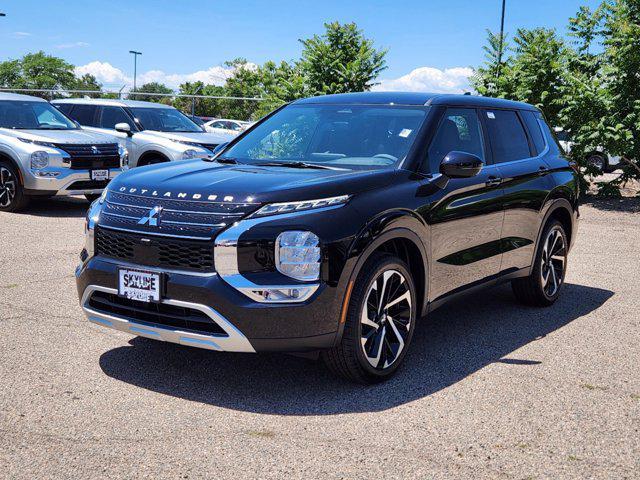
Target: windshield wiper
x=294, y=165
x=229, y=160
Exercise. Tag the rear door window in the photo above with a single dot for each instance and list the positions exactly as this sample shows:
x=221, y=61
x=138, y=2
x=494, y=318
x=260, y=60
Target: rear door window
x=509, y=141
x=85, y=115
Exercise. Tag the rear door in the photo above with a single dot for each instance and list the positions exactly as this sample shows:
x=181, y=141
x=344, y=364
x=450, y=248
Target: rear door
x=518, y=148
x=466, y=216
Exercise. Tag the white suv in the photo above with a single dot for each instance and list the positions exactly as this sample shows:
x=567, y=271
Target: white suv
x=152, y=132
x=44, y=153
x=226, y=126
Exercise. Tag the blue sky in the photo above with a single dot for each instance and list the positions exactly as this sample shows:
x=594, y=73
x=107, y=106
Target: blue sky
x=191, y=39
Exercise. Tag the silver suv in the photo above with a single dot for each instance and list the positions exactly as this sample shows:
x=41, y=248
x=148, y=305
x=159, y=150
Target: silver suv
x=152, y=132
x=44, y=153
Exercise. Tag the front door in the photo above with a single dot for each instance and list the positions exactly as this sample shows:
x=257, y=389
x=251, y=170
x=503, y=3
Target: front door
x=466, y=216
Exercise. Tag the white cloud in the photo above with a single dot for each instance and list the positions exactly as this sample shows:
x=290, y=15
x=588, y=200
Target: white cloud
x=429, y=79
x=20, y=34
x=108, y=74
x=63, y=46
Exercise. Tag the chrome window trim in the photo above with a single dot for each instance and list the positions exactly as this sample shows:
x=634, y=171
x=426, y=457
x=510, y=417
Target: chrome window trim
x=225, y=255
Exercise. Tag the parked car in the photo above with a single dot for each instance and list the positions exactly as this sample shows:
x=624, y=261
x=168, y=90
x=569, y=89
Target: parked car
x=153, y=132
x=226, y=126
x=333, y=225
x=43, y=153
x=602, y=161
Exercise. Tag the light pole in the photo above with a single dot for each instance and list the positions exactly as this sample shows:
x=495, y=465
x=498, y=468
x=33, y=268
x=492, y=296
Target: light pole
x=501, y=39
x=135, y=66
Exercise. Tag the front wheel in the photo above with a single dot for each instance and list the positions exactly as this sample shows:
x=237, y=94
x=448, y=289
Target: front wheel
x=542, y=287
x=598, y=162
x=12, y=196
x=379, y=324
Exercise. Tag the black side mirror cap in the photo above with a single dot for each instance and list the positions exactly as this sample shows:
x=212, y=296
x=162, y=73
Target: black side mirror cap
x=460, y=165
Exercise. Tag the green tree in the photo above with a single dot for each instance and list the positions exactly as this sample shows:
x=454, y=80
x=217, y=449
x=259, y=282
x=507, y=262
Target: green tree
x=340, y=60
x=620, y=126
x=538, y=70
x=493, y=77
x=153, y=87
x=41, y=71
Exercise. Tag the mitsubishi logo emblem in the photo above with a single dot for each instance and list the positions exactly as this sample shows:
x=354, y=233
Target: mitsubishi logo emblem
x=94, y=150
x=152, y=218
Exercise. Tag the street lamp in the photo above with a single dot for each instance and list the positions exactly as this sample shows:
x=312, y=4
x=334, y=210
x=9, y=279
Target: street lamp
x=501, y=39
x=135, y=66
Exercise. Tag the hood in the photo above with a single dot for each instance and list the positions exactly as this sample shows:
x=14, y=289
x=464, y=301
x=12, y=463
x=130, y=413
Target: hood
x=196, y=137
x=203, y=179
x=79, y=136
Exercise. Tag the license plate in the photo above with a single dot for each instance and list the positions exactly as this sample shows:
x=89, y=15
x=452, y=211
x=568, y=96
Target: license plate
x=139, y=285
x=100, y=175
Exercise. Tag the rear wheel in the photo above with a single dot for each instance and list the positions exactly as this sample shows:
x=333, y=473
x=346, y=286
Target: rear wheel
x=597, y=161
x=12, y=196
x=379, y=324
x=542, y=288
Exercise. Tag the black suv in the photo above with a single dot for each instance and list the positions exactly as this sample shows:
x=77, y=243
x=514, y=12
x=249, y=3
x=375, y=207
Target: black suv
x=332, y=225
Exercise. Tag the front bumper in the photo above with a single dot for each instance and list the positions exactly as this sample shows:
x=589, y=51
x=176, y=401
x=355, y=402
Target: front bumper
x=248, y=326
x=68, y=182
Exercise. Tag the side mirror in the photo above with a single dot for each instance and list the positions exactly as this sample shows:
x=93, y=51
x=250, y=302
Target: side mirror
x=123, y=128
x=460, y=165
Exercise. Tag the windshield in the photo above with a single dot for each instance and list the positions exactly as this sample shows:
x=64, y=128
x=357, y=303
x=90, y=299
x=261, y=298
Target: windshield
x=164, y=120
x=33, y=116
x=341, y=136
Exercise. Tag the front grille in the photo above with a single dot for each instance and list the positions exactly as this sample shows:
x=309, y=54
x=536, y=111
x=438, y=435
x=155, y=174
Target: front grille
x=179, y=218
x=88, y=185
x=170, y=253
x=155, y=314
x=89, y=156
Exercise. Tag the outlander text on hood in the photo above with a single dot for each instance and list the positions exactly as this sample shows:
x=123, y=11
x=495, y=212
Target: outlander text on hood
x=334, y=224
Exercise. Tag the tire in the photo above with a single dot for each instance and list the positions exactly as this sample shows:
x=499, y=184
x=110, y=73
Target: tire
x=387, y=338
x=597, y=161
x=542, y=288
x=91, y=197
x=12, y=196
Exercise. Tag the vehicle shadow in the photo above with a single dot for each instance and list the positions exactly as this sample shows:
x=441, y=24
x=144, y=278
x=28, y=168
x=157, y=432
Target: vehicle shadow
x=624, y=204
x=450, y=344
x=63, y=207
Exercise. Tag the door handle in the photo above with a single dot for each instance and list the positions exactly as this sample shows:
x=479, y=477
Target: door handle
x=543, y=170
x=493, y=181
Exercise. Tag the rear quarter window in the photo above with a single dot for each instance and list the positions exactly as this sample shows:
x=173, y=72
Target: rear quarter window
x=531, y=121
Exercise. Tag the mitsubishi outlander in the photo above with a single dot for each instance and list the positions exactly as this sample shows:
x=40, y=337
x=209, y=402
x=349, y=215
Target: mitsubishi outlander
x=43, y=153
x=333, y=225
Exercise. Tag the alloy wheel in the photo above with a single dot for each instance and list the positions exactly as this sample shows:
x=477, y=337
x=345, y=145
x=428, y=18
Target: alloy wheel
x=7, y=187
x=553, y=258
x=386, y=319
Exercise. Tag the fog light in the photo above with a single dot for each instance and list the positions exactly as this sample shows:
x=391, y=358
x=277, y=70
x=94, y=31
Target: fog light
x=298, y=255
x=279, y=294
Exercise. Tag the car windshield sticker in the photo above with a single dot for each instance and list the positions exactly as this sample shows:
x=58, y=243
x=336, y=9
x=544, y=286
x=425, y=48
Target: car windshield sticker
x=491, y=115
x=405, y=132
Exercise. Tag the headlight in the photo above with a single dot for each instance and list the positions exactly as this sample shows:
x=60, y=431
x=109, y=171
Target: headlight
x=39, y=160
x=298, y=255
x=286, y=207
x=187, y=154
